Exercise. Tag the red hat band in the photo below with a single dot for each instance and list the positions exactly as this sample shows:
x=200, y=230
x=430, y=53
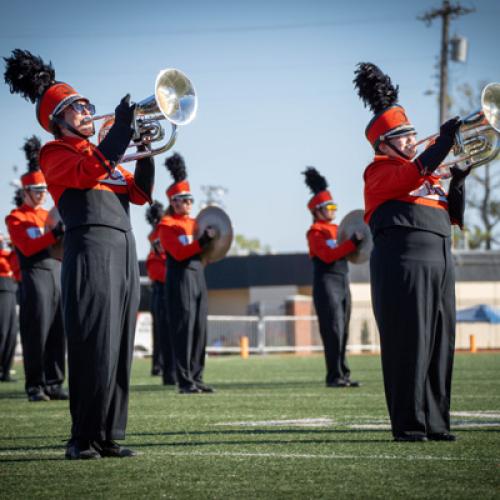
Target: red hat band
x=33, y=179
x=54, y=100
x=321, y=198
x=390, y=122
x=178, y=188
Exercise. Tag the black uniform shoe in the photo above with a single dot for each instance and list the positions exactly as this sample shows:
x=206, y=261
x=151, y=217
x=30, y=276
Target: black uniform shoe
x=410, y=438
x=189, y=389
x=156, y=372
x=441, y=436
x=81, y=449
x=108, y=448
x=352, y=383
x=38, y=396
x=338, y=383
x=56, y=393
x=7, y=378
x=204, y=388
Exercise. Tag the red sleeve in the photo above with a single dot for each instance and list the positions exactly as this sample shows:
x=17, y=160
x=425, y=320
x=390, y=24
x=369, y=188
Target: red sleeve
x=169, y=239
x=392, y=179
x=318, y=247
x=14, y=262
x=135, y=193
x=5, y=267
x=66, y=167
x=21, y=239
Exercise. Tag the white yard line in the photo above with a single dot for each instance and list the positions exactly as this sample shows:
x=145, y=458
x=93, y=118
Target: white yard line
x=284, y=456
x=302, y=422
x=479, y=414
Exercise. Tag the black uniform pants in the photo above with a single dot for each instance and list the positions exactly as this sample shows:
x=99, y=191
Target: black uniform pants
x=187, y=309
x=8, y=331
x=161, y=334
x=413, y=295
x=41, y=327
x=332, y=301
x=156, y=316
x=100, y=287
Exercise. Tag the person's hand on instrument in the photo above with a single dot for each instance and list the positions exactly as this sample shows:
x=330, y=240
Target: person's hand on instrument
x=450, y=128
x=357, y=238
x=124, y=112
x=58, y=230
x=459, y=174
x=114, y=145
x=207, y=236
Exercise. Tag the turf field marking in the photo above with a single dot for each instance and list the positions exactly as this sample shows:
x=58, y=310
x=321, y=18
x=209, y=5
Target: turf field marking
x=480, y=414
x=285, y=456
x=302, y=422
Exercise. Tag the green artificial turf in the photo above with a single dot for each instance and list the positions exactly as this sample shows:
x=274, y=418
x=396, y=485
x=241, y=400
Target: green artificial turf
x=194, y=446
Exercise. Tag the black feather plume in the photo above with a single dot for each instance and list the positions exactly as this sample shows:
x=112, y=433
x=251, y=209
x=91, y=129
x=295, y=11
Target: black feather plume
x=18, y=197
x=154, y=213
x=28, y=75
x=176, y=166
x=32, y=150
x=375, y=87
x=314, y=180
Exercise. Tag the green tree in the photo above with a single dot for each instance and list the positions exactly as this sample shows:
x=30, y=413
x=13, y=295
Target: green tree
x=483, y=184
x=245, y=246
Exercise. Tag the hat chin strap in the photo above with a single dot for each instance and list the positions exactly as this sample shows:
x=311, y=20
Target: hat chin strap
x=63, y=123
x=396, y=150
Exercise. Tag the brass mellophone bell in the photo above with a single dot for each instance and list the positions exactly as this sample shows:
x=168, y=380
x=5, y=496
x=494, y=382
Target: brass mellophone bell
x=174, y=100
x=478, y=139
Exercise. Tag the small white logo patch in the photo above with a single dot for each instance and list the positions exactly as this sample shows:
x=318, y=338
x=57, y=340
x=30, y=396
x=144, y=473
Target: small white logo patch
x=331, y=243
x=186, y=239
x=35, y=232
x=116, y=178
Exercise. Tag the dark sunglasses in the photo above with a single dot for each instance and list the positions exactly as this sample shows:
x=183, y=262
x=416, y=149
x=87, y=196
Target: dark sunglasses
x=79, y=107
x=184, y=200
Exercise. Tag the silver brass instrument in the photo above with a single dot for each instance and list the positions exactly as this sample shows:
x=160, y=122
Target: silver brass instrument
x=478, y=139
x=216, y=218
x=353, y=223
x=174, y=100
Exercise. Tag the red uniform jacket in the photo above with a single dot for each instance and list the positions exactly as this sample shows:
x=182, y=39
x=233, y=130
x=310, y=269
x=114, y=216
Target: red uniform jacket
x=176, y=236
x=27, y=233
x=15, y=266
x=397, y=194
x=156, y=259
x=5, y=264
x=322, y=239
x=85, y=188
x=7, y=282
x=398, y=179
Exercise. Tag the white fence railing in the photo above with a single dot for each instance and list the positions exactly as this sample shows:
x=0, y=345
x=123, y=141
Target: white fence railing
x=266, y=334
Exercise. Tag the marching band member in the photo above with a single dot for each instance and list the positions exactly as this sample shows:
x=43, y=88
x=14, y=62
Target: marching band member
x=163, y=350
x=186, y=290
x=40, y=318
x=100, y=273
x=8, y=321
x=412, y=274
x=331, y=294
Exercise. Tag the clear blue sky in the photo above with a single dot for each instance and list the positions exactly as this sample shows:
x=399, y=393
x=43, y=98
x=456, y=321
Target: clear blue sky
x=274, y=80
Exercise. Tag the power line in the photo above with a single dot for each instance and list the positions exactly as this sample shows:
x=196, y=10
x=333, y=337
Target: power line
x=207, y=31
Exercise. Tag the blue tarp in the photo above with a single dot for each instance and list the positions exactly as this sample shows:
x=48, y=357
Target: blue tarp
x=479, y=314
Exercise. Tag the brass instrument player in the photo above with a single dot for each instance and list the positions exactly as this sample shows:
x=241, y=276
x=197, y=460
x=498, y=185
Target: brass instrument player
x=100, y=272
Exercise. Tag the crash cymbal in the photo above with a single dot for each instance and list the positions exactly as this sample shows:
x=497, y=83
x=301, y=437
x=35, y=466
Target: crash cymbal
x=352, y=223
x=218, y=219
